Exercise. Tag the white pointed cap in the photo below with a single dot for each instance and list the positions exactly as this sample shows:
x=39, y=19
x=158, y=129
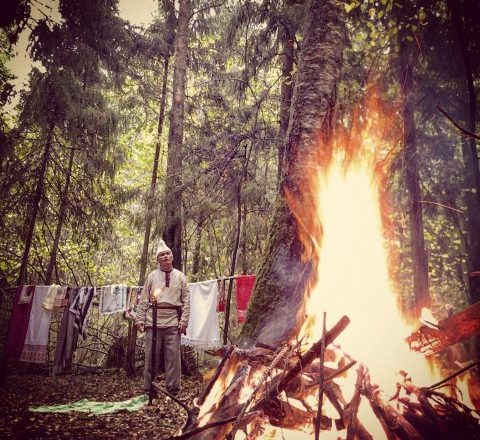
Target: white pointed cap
x=162, y=247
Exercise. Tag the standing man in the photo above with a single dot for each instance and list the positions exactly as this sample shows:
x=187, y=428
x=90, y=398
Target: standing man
x=169, y=287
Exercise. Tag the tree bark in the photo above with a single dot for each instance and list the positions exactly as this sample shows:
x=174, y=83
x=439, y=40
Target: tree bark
x=61, y=219
x=470, y=156
x=36, y=204
x=233, y=264
x=286, y=40
x=153, y=181
x=276, y=306
x=196, y=260
x=173, y=187
x=132, y=329
x=412, y=181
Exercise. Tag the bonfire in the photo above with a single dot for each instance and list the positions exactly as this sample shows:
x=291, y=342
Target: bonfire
x=360, y=378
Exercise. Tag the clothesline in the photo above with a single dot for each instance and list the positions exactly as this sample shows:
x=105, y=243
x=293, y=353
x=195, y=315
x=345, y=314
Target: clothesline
x=32, y=309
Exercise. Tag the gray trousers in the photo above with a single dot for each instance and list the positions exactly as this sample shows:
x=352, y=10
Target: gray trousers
x=168, y=343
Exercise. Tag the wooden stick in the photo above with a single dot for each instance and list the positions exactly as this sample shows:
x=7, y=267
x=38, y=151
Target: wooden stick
x=216, y=374
x=153, y=351
x=457, y=373
x=351, y=412
x=280, y=355
x=316, y=421
x=191, y=433
x=394, y=424
x=362, y=432
x=335, y=374
x=463, y=130
x=310, y=355
x=376, y=408
x=189, y=420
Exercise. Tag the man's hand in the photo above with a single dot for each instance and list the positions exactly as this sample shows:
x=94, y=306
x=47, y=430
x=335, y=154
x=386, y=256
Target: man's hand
x=182, y=328
x=141, y=327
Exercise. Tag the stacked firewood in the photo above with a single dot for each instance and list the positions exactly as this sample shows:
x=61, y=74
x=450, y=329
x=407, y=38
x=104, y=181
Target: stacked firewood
x=251, y=389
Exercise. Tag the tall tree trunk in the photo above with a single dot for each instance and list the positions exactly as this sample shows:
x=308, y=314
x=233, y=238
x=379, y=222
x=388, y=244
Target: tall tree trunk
x=243, y=240
x=132, y=330
x=197, y=249
x=153, y=180
x=35, y=204
x=61, y=219
x=233, y=264
x=276, y=304
x=412, y=180
x=470, y=157
x=286, y=40
x=173, y=187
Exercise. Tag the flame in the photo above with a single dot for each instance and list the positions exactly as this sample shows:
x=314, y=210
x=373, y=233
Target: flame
x=352, y=276
x=343, y=229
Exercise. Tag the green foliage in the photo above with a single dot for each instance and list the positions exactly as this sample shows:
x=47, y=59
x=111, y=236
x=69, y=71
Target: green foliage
x=99, y=84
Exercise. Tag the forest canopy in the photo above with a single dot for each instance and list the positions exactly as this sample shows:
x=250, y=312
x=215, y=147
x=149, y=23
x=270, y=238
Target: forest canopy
x=126, y=134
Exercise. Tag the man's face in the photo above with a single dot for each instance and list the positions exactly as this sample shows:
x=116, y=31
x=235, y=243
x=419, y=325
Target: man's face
x=165, y=257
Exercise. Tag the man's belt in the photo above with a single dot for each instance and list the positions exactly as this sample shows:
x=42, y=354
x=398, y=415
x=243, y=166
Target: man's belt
x=164, y=307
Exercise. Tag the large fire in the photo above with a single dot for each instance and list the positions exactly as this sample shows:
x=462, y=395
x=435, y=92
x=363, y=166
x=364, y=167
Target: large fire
x=345, y=224
x=353, y=270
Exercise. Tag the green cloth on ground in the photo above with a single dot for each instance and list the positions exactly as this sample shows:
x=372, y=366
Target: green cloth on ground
x=87, y=406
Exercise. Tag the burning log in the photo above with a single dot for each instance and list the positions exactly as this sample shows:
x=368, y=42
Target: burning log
x=216, y=374
x=352, y=408
x=334, y=395
x=433, y=339
x=251, y=389
x=282, y=353
x=309, y=356
x=279, y=413
x=317, y=420
x=392, y=422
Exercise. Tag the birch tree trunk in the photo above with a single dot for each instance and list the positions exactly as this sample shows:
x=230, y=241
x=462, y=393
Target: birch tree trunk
x=276, y=306
x=173, y=187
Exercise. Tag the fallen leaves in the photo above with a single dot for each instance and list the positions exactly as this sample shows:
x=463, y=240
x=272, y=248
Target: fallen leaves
x=159, y=421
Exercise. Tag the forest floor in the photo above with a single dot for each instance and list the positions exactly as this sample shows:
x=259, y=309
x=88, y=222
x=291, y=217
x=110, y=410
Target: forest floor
x=20, y=392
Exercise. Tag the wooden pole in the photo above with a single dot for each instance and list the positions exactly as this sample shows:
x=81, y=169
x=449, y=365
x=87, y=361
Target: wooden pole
x=321, y=380
x=153, y=351
x=215, y=376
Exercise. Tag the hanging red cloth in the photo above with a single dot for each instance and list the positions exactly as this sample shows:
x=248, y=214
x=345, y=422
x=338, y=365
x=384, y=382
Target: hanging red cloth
x=221, y=296
x=19, y=321
x=245, y=285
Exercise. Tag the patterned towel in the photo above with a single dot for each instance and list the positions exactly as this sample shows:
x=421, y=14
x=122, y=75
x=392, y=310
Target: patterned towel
x=80, y=307
x=61, y=300
x=36, y=341
x=133, y=298
x=113, y=299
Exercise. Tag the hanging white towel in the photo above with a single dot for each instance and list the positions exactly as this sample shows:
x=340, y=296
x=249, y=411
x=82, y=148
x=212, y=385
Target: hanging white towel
x=113, y=299
x=202, y=330
x=36, y=341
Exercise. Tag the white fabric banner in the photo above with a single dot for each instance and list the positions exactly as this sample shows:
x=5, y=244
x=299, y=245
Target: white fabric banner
x=202, y=330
